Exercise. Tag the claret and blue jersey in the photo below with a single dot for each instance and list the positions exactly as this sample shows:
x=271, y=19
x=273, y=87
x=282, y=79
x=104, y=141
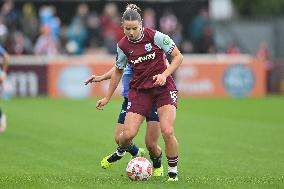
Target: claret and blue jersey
x=145, y=58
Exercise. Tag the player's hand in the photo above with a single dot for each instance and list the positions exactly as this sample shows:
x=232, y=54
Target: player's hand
x=101, y=103
x=160, y=80
x=93, y=78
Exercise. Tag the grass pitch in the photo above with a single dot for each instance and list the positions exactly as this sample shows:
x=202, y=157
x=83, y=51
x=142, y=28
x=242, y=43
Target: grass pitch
x=224, y=143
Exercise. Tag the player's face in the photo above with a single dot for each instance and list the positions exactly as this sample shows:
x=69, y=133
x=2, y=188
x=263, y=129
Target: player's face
x=132, y=29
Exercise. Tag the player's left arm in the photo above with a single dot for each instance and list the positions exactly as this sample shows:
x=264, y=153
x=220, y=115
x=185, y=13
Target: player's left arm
x=167, y=44
x=176, y=61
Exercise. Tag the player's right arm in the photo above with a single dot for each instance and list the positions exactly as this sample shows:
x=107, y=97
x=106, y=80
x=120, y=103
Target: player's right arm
x=114, y=81
x=121, y=61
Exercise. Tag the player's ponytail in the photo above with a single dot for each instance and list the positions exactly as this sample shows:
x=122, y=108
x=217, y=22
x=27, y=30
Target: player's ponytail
x=132, y=12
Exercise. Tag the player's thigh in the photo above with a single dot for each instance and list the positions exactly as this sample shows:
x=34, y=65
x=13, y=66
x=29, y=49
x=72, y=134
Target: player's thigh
x=132, y=123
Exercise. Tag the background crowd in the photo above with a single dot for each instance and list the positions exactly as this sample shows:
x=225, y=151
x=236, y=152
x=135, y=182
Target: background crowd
x=30, y=29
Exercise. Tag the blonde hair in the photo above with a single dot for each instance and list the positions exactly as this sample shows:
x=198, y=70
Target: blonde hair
x=132, y=12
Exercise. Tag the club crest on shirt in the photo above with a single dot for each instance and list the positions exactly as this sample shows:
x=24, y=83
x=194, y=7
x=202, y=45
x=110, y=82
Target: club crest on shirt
x=148, y=47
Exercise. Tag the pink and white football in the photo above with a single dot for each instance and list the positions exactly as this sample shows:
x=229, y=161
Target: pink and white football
x=139, y=169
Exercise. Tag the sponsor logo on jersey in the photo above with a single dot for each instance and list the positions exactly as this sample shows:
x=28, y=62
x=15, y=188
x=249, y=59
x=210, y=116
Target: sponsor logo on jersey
x=166, y=40
x=144, y=58
x=148, y=47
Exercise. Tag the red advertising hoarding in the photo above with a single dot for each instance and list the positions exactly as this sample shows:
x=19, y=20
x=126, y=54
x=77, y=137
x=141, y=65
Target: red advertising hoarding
x=197, y=76
x=66, y=77
x=230, y=76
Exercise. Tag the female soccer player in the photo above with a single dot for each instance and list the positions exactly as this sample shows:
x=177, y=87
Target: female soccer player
x=3, y=72
x=153, y=128
x=144, y=49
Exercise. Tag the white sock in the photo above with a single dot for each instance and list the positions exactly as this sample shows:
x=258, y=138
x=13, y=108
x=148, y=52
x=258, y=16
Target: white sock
x=173, y=169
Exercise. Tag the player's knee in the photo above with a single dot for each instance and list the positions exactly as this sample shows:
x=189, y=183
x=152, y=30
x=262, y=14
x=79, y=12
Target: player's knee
x=168, y=132
x=128, y=135
x=151, y=146
x=116, y=138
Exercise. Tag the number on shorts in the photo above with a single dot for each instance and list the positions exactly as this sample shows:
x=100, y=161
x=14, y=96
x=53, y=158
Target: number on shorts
x=174, y=96
x=128, y=105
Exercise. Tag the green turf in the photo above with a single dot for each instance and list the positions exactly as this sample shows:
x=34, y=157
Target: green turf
x=224, y=143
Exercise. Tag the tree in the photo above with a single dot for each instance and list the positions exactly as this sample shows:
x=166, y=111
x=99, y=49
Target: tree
x=260, y=7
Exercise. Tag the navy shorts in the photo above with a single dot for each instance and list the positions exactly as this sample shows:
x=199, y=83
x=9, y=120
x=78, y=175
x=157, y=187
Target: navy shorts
x=152, y=117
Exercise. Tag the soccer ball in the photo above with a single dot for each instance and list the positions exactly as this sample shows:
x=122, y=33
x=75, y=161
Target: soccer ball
x=139, y=169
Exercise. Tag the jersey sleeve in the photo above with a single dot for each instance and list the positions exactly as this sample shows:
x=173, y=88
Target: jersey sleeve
x=2, y=51
x=121, y=59
x=164, y=42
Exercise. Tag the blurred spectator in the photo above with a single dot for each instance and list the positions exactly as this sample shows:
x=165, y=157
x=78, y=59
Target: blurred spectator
x=111, y=25
x=149, y=18
x=94, y=30
x=76, y=33
x=29, y=21
x=48, y=17
x=186, y=47
x=21, y=34
x=169, y=25
x=262, y=52
x=46, y=44
x=205, y=44
x=233, y=49
x=177, y=35
x=63, y=39
x=10, y=15
x=17, y=43
x=197, y=27
x=264, y=56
